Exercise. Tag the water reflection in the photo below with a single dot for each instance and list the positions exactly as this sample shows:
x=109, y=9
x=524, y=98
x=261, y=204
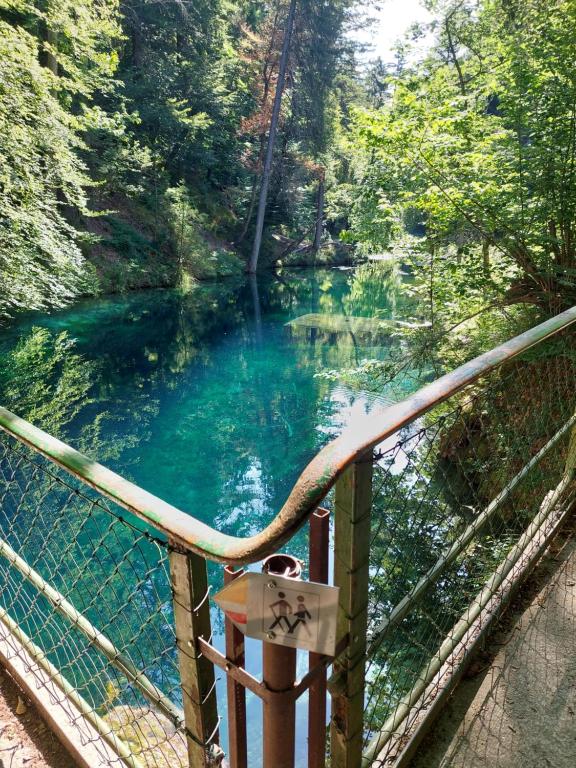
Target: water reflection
x=209, y=398
x=206, y=397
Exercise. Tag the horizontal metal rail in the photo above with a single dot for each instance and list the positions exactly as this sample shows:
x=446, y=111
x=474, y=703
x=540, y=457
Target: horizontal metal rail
x=552, y=512
x=433, y=574
x=100, y=725
x=96, y=638
x=313, y=484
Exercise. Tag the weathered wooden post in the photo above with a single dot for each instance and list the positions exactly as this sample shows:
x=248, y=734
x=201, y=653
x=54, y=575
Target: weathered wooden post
x=570, y=463
x=192, y=621
x=352, y=512
x=318, y=570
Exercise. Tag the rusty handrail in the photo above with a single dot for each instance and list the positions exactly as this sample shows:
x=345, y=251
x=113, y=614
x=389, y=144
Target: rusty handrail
x=313, y=484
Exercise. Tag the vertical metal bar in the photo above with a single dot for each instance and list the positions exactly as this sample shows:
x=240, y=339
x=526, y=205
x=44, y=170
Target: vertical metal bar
x=353, y=504
x=279, y=675
x=237, y=740
x=192, y=620
x=280, y=713
x=318, y=569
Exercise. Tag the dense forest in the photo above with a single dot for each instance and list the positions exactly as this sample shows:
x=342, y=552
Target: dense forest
x=144, y=142
x=134, y=136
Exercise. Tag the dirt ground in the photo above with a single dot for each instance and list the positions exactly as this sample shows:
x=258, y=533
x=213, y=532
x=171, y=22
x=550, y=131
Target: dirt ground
x=25, y=742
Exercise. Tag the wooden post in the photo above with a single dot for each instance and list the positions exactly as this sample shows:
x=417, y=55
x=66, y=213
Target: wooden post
x=192, y=621
x=353, y=504
x=318, y=570
x=570, y=463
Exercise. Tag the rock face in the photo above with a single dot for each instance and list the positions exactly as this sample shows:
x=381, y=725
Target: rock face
x=151, y=736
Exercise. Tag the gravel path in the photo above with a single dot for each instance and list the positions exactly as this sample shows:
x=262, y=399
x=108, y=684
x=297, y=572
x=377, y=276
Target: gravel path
x=25, y=742
x=517, y=708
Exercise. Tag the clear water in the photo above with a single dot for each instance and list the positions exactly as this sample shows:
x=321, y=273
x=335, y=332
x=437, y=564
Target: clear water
x=206, y=398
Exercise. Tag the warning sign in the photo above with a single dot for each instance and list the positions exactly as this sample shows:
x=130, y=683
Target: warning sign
x=300, y=614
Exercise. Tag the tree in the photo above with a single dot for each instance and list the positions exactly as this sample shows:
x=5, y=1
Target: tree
x=42, y=178
x=253, y=263
x=261, y=49
x=479, y=139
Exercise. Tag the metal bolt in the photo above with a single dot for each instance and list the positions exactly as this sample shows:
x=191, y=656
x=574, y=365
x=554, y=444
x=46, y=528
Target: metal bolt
x=271, y=584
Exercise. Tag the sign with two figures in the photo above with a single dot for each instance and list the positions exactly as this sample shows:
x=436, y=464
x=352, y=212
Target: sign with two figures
x=300, y=614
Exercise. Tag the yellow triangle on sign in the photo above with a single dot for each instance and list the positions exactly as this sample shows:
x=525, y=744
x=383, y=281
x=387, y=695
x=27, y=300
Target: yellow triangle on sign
x=233, y=600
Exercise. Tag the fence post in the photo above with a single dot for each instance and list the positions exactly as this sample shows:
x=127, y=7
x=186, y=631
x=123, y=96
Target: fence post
x=570, y=463
x=236, y=694
x=318, y=569
x=279, y=674
x=352, y=505
x=192, y=620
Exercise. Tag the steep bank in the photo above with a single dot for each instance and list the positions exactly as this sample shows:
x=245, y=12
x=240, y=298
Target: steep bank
x=131, y=247
x=132, y=139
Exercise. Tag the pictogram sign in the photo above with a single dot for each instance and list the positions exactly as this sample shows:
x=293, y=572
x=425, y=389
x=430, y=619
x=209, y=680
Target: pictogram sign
x=300, y=614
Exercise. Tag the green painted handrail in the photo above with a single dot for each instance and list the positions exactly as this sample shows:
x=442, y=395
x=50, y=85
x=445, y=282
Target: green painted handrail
x=313, y=484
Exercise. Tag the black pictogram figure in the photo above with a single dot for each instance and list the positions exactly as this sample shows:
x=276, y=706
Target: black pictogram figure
x=281, y=610
x=302, y=614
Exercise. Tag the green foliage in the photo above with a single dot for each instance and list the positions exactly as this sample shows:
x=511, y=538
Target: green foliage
x=127, y=258
x=119, y=120
x=42, y=178
x=475, y=146
x=182, y=73
x=199, y=254
x=47, y=378
x=120, y=165
x=40, y=258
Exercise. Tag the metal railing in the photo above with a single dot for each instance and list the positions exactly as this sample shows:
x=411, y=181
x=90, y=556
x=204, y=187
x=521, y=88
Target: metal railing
x=441, y=503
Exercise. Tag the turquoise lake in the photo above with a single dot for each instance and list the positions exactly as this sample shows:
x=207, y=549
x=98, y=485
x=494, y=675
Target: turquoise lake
x=207, y=398
x=214, y=398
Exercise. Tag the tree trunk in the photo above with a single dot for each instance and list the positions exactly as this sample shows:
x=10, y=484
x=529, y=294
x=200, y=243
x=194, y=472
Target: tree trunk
x=250, y=211
x=134, y=24
x=553, y=233
x=253, y=263
x=319, y=215
x=452, y=50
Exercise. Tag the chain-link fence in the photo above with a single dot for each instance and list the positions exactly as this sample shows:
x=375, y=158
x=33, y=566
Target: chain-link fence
x=108, y=614
x=86, y=604
x=460, y=499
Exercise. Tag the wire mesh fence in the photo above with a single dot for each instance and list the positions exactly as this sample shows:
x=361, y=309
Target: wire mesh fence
x=457, y=496
x=86, y=593
x=462, y=501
